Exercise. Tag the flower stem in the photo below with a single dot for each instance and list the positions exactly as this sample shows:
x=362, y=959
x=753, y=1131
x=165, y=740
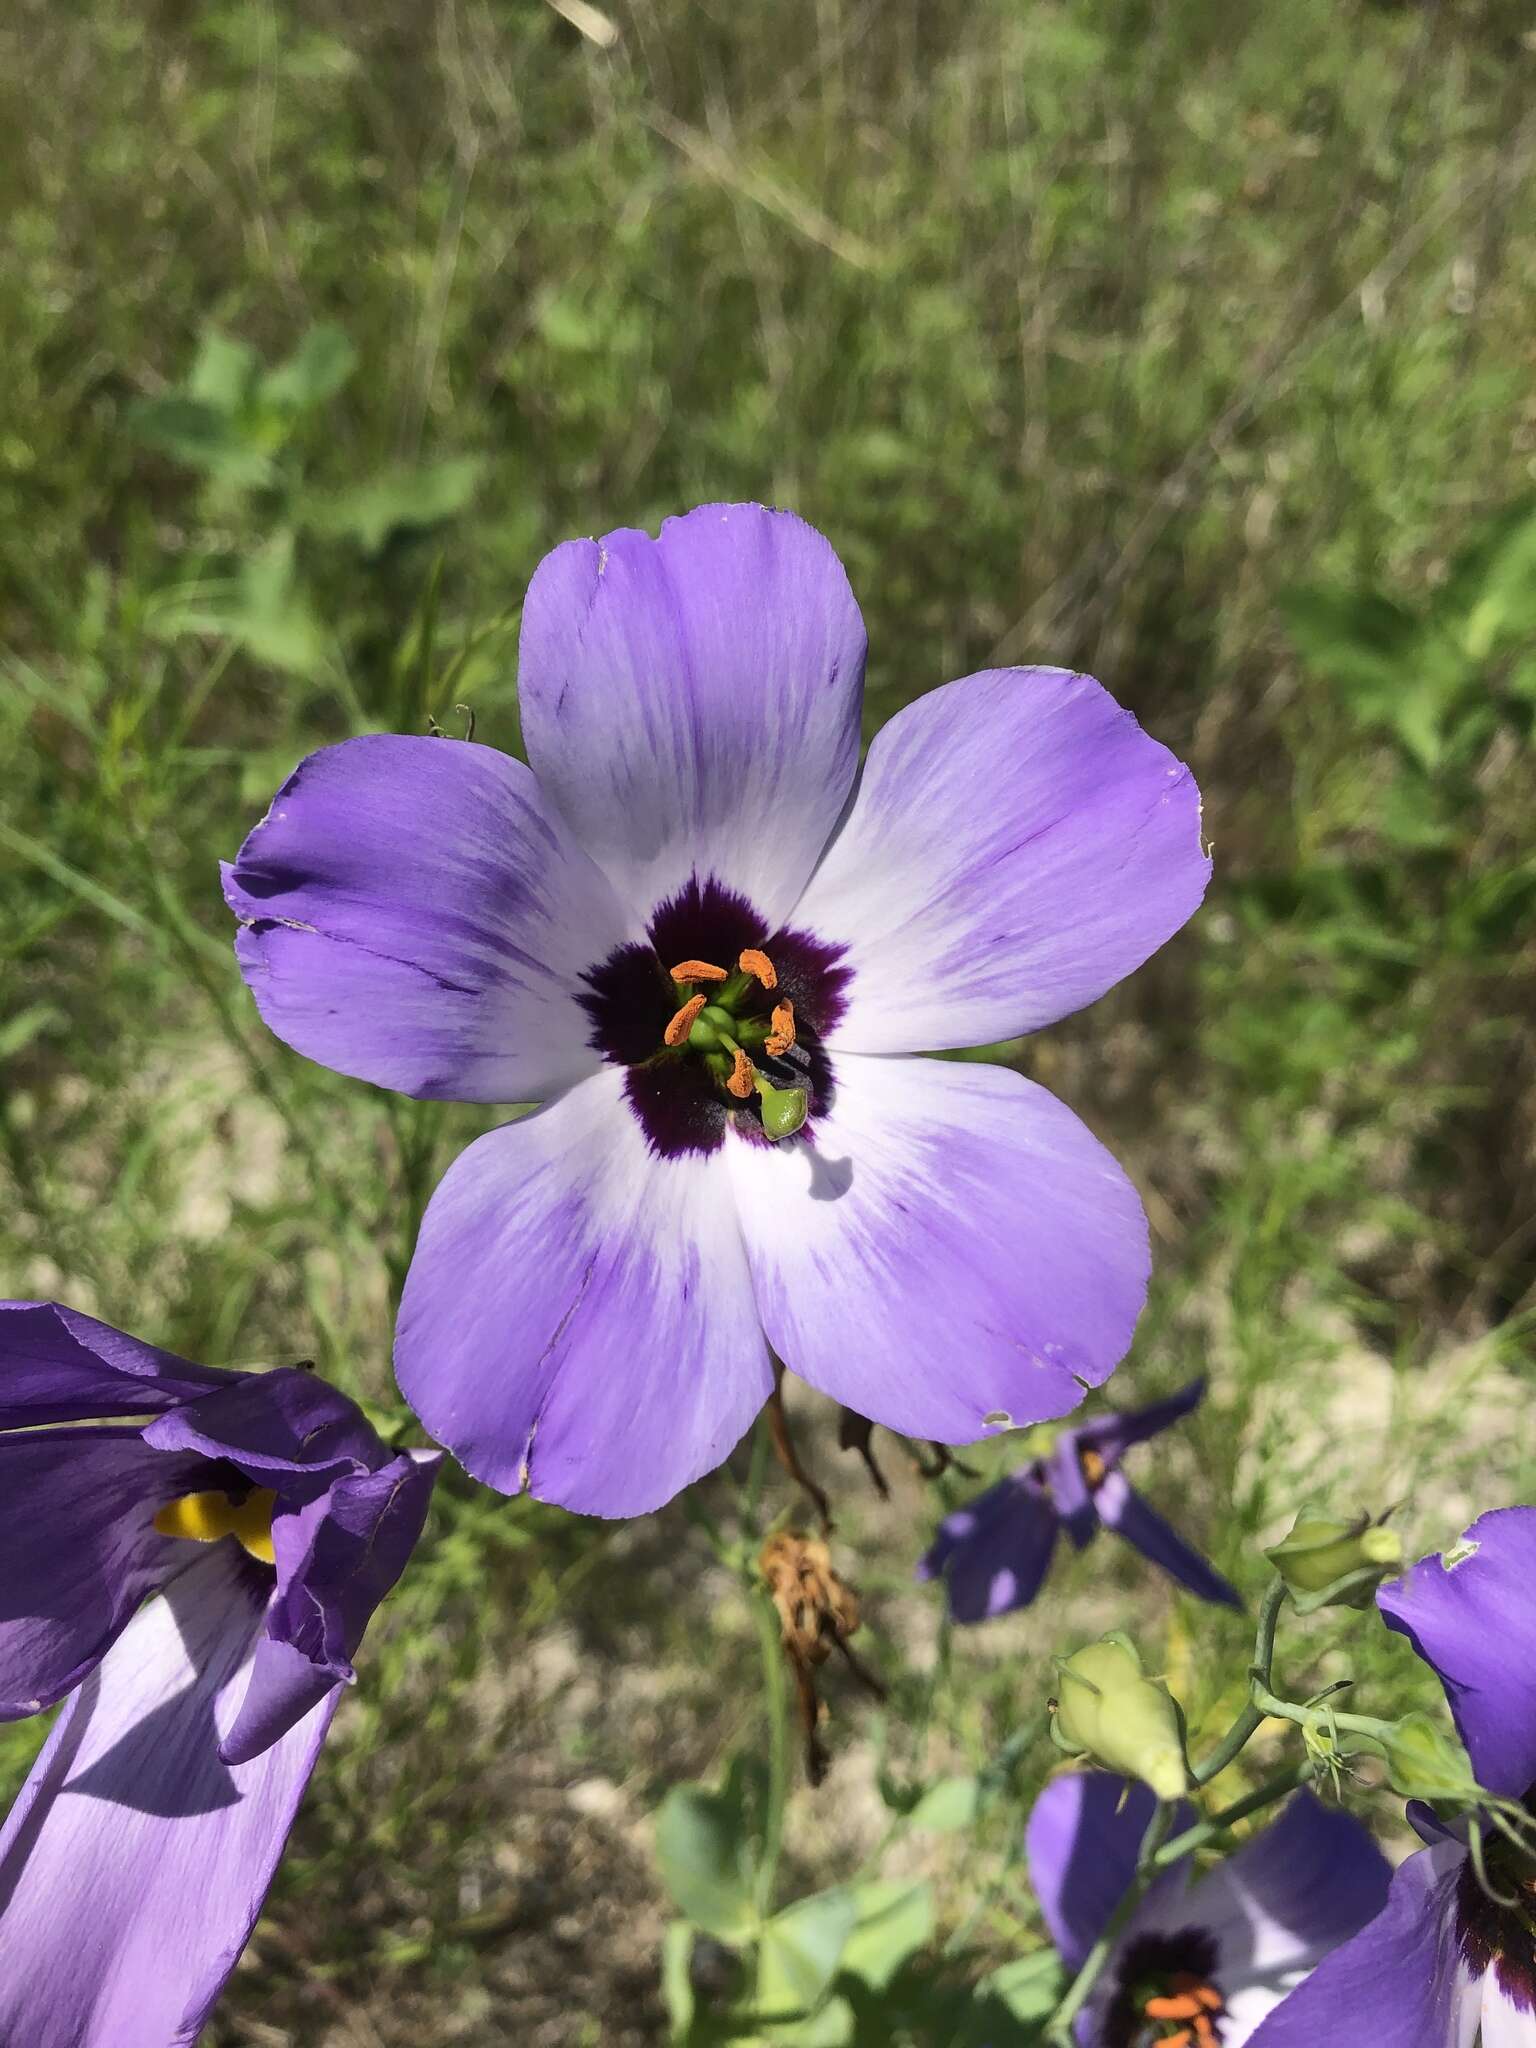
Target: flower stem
x=1080, y=1990
x=1322, y=1720
x=776, y=1700
x=1205, y=1831
x=1244, y=1728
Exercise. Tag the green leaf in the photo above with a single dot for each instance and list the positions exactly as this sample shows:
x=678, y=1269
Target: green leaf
x=1359, y=638
x=273, y=617
x=403, y=498
x=676, y=1981
x=1030, y=1987
x=833, y=2026
x=18, y=1032
x=316, y=371
x=261, y=606
x=1488, y=599
x=705, y=1854
x=894, y=1921
x=800, y=1949
x=945, y=1807
x=223, y=373
x=201, y=436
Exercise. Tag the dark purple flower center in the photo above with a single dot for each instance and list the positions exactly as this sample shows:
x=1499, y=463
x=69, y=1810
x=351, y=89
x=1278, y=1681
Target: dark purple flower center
x=737, y=1041
x=1497, y=1926
x=1165, y=1994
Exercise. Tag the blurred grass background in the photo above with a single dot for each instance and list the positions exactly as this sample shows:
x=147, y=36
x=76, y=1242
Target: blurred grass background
x=1189, y=345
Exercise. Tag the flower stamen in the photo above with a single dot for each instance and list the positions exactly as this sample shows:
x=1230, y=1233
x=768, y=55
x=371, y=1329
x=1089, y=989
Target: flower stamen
x=759, y=966
x=741, y=1078
x=205, y=1517
x=782, y=1036
x=1197, y=2005
x=677, y=1031
x=1093, y=1466
x=697, y=970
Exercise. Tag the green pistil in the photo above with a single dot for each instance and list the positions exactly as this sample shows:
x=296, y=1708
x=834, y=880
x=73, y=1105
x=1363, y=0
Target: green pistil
x=784, y=1110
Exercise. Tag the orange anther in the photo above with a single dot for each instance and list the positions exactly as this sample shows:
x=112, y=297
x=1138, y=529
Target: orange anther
x=1182, y=2005
x=697, y=970
x=754, y=962
x=1093, y=1466
x=682, y=1023
x=740, y=1082
x=782, y=1036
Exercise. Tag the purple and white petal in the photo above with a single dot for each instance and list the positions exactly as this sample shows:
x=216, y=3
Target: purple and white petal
x=578, y=1319
x=77, y=1509
x=1017, y=846
x=1400, y=1982
x=1082, y=1841
x=1113, y=1435
x=1122, y=1509
x=279, y=1424
x=414, y=914
x=57, y=1365
x=993, y=1555
x=1293, y=1892
x=952, y=1251
x=691, y=703
x=1505, y=2024
x=1068, y=1482
x=134, y=1864
x=1471, y=1616
x=336, y=1560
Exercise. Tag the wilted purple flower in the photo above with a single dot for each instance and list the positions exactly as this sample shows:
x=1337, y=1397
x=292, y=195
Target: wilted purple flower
x=994, y=1553
x=270, y=1520
x=1200, y=1961
x=692, y=928
x=1448, y=1953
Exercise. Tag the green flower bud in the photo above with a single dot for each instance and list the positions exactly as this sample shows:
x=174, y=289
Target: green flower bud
x=1109, y=1710
x=1425, y=1761
x=1328, y=1563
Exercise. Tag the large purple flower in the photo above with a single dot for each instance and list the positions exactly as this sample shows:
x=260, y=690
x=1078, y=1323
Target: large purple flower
x=1448, y=1953
x=1200, y=1961
x=689, y=924
x=269, y=1520
x=994, y=1553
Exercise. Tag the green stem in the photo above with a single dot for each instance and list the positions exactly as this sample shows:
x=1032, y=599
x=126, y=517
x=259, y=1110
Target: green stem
x=757, y=1473
x=1244, y=1728
x=1322, y=1720
x=1205, y=1831
x=1080, y=1990
x=765, y=1614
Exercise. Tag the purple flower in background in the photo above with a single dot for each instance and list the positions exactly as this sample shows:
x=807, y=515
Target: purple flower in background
x=706, y=941
x=1446, y=1954
x=993, y=1554
x=270, y=1520
x=1200, y=1961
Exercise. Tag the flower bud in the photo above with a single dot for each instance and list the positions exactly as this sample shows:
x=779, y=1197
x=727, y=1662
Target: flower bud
x=1328, y=1563
x=1425, y=1761
x=1107, y=1709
